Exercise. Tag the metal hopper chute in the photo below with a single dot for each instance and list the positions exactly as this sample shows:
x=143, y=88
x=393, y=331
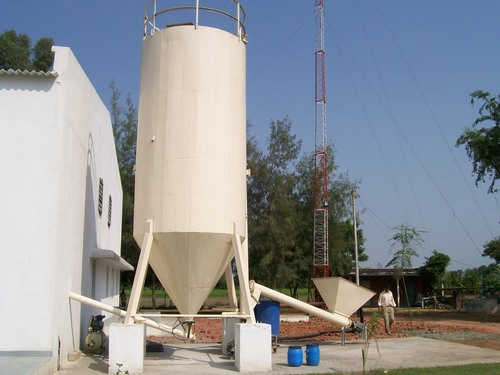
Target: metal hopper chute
x=342, y=296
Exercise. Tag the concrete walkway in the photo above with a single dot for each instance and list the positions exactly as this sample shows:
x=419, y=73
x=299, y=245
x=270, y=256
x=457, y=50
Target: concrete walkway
x=382, y=354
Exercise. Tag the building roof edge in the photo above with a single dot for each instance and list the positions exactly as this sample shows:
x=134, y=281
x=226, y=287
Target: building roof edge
x=31, y=73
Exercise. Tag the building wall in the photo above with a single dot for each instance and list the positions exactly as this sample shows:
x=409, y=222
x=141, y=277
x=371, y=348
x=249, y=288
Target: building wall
x=28, y=198
x=414, y=288
x=56, y=142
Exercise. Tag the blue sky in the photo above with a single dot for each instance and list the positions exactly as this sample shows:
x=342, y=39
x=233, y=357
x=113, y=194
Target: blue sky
x=398, y=76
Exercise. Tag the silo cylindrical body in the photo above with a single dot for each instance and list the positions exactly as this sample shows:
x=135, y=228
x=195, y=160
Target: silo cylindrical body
x=191, y=157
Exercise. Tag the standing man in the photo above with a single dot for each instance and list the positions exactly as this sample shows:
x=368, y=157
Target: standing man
x=388, y=306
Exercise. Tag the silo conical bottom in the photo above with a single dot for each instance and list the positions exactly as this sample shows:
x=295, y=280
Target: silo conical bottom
x=189, y=265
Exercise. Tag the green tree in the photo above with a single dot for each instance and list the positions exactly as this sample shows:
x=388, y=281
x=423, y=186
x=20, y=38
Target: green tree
x=492, y=249
x=342, y=252
x=434, y=269
x=483, y=144
x=472, y=279
x=404, y=244
x=341, y=230
x=280, y=212
x=453, y=279
x=43, y=57
x=275, y=216
x=341, y=244
x=489, y=275
x=16, y=52
x=256, y=201
x=302, y=261
x=124, y=122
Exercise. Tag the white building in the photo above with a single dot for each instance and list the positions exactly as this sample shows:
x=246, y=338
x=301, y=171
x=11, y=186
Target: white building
x=60, y=212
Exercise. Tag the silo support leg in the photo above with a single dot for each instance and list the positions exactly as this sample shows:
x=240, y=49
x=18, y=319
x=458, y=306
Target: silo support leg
x=242, y=266
x=231, y=289
x=140, y=274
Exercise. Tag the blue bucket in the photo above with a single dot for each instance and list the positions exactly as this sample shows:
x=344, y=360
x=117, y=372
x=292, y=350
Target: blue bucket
x=295, y=356
x=269, y=312
x=312, y=355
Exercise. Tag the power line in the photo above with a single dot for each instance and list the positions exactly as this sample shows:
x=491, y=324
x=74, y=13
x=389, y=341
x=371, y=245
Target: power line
x=384, y=92
x=374, y=134
x=434, y=118
x=407, y=142
x=373, y=215
x=278, y=50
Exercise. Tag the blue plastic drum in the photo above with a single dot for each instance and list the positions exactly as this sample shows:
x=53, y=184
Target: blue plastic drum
x=268, y=312
x=295, y=356
x=312, y=355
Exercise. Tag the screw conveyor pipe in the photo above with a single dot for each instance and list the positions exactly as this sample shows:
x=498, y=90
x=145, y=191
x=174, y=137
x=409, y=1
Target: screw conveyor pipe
x=334, y=317
x=121, y=313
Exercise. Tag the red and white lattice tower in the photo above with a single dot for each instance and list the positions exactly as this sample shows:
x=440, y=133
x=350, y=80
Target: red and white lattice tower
x=320, y=241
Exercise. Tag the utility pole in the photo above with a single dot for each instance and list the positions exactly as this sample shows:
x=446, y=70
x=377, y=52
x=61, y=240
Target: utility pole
x=320, y=241
x=353, y=194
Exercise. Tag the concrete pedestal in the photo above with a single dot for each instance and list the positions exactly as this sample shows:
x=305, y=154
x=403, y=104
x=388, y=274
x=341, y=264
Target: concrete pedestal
x=253, y=347
x=127, y=347
x=228, y=329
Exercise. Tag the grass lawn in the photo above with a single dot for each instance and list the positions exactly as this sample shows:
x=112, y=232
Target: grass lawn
x=475, y=369
x=216, y=293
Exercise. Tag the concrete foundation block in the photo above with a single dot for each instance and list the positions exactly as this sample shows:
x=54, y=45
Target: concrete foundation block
x=127, y=347
x=253, y=347
x=228, y=328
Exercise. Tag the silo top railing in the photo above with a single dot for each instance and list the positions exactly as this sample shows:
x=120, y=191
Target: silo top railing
x=152, y=16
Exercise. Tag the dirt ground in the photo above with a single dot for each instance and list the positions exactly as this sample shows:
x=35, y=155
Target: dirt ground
x=470, y=329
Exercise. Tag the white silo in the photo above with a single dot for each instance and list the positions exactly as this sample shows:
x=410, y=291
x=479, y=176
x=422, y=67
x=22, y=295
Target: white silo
x=190, y=192
x=191, y=149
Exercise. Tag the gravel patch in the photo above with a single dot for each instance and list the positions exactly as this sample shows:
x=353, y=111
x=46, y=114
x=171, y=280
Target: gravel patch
x=451, y=336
